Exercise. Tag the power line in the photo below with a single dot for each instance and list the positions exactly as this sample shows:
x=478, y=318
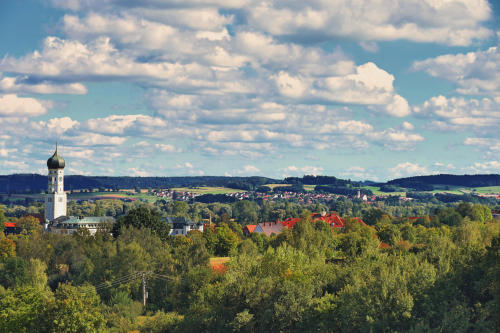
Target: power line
x=133, y=276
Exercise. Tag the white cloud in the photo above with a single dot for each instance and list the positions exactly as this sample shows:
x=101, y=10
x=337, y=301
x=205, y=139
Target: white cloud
x=358, y=173
x=396, y=139
x=368, y=85
x=453, y=22
x=474, y=73
x=99, y=60
x=166, y=148
x=119, y=124
x=4, y=152
x=408, y=169
x=249, y=170
x=292, y=170
x=459, y=113
x=485, y=144
x=13, y=106
x=408, y=126
x=22, y=85
x=485, y=167
x=138, y=172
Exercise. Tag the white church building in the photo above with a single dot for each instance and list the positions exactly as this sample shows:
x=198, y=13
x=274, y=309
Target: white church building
x=56, y=219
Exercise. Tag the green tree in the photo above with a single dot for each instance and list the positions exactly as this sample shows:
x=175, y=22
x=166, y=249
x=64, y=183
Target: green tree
x=7, y=247
x=76, y=309
x=29, y=225
x=14, y=272
x=227, y=240
x=449, y=216
x=245, y=212
x=25, y=309
x=142, y=217
x=373, y=215
x=180, y=208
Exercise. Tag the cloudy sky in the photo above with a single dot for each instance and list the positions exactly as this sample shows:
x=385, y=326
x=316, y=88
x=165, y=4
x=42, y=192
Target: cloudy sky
x=365, y=89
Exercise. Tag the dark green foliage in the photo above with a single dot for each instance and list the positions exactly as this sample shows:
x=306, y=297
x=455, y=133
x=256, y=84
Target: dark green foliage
x=449, y=216
x=26, y=183
x=14, y=272
x=245, y=212
x=373, y=215
x=444, y=179
x=143, y=217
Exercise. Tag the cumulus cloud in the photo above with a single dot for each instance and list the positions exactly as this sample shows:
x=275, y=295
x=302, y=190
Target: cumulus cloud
x=358, y=173
x=459, y=113
x=488, y=145
x=292, y=170
x=368, y=85
x=99, y=60
x=453, y=22
x=485, y=167
x=406, y=169
x=138, y=172
x=248, y=169
x=124, y=124
x=23, y=85
x=474, y=73
x=12, y=105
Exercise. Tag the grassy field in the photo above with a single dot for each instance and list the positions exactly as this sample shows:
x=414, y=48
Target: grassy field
x=207, y=190
x=487, y=189
x=112, y=195
x=376, y=191
x=306, y=187
x=272, y=186
x=218, y=260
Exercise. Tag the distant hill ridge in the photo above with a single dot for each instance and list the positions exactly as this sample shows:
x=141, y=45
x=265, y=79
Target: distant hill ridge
x=23, y=183
x=35, y=183
x=448, y=179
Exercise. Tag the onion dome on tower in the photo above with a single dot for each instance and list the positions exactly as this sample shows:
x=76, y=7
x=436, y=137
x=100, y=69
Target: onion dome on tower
x=56, y=161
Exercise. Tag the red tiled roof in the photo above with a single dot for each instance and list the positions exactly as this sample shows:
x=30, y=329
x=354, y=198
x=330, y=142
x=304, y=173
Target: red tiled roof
x=290, y=222
x=249, y=228
x=10, y=224
x=271, y=228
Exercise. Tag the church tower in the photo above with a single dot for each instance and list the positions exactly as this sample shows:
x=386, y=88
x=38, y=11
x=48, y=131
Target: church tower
x=55, y=199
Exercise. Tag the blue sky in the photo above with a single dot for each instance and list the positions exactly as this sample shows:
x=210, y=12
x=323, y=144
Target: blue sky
x=373, y=89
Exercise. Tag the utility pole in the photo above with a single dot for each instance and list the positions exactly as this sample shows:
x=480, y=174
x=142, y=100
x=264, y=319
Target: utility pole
x=144, y=289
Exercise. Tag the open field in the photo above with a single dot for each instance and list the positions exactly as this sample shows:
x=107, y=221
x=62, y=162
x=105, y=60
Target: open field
x=376, y=191
x=218, y=264
x=112, y=195
x=207, y=190
x=306, y=187
x=487, y=189
x=272, y=186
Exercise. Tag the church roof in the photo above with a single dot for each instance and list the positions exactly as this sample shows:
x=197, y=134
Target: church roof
x=76, y=221
x=56, y=161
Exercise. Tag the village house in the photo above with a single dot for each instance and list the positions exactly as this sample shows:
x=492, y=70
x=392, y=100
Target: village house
x=182, y=225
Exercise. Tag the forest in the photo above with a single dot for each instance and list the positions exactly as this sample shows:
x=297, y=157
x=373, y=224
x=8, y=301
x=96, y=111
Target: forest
x=34, y=183
x=438, y=272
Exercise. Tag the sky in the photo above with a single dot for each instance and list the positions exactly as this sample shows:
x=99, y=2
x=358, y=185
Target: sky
x=363, y=89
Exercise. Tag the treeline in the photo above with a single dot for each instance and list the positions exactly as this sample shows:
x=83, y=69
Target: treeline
x=432, y=274
x=446, y=179
x=34, y=183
